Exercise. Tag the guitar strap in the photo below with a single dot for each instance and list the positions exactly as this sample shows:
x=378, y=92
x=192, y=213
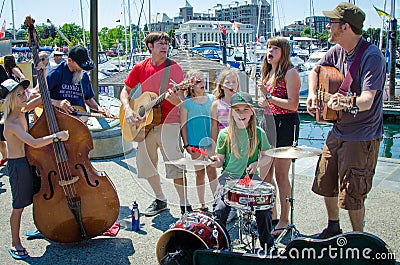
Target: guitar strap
x=348, y=79
x=165, y=76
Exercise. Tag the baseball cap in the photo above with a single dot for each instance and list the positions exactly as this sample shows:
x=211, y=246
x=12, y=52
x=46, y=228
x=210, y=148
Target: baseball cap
x=80, y=55
x=348, y=13
x=10, y=84
x=240, y=98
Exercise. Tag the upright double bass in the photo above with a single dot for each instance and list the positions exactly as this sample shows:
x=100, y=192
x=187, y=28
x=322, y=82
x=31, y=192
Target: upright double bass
x=75, y=202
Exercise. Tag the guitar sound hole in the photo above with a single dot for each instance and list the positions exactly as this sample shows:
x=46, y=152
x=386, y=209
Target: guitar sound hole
x=142, y=111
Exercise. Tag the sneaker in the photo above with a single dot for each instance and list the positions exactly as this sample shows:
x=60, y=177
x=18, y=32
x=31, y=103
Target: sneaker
x=188, y=209
x=232, y=215
x=155, y=207
x=327, y=234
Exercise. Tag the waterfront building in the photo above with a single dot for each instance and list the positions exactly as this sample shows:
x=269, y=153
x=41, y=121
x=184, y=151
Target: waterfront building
x=195, y=31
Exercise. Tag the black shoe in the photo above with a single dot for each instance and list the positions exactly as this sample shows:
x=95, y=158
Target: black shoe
x=155, y=207
x=327, y=234
x=188, y=209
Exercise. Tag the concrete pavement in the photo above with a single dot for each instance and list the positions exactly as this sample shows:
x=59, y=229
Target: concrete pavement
x=129, y=247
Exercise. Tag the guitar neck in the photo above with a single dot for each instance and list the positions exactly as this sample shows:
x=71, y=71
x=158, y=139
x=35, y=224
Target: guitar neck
x=90, y=114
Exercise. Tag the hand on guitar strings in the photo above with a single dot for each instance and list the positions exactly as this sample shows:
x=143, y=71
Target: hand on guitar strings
x=106, y=112
x=311, y=105
x=65, y=106
x=131, y=117
x=336, y=102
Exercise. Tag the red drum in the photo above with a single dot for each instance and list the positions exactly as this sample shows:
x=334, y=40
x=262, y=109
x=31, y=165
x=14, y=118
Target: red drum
x=193, y=231
x=259, y=195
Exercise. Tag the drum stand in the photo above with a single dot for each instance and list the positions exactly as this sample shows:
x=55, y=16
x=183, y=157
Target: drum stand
x=247, y=227
x=291, y=228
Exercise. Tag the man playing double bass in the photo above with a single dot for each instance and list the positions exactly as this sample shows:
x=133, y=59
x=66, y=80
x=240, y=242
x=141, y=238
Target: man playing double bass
x=347, y=164
x=149, y=74
x=69, y=84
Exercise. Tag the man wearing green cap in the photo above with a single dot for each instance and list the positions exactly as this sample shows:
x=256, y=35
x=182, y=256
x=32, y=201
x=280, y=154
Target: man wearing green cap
x=346, y=167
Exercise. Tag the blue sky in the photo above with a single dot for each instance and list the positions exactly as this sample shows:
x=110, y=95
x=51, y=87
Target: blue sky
x=68, y=11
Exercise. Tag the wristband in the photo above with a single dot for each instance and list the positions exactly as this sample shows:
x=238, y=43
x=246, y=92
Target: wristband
x=186, y=146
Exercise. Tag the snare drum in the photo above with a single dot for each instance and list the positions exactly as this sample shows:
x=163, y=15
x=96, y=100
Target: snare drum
x=259, y=195
x=193, y=231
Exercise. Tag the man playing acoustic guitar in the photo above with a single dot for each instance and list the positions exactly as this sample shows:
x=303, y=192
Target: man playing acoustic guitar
x=150, y=75
x=347, y=164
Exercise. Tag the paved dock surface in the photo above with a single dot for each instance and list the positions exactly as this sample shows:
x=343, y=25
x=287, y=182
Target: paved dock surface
x=382, y=215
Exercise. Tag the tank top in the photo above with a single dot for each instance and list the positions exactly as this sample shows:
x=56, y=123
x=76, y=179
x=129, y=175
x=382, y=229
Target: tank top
x=222, y=114
x=278, y=91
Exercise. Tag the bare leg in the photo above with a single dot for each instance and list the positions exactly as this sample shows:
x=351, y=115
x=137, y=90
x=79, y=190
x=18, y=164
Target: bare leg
x=267, y=175
x=282, y=166
x=200, y=186
x=357, y=219
x=212, y=178
x=155, y=184
x=15, y=224
x=332, y=208
x=178, y=183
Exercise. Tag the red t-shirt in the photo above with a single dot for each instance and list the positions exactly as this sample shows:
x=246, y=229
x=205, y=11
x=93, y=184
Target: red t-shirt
x=149, y=76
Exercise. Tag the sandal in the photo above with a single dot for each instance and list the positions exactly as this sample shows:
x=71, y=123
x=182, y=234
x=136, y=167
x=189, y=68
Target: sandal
x=278, y=230
x=18, y=254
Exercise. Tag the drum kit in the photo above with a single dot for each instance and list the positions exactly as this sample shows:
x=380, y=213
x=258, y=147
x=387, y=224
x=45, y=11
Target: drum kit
x=200, y=230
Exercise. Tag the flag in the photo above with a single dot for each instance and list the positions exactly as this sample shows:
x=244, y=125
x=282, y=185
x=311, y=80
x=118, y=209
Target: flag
x=222, y=29
x=381, y=12
x=3, y=30
x=235, y=27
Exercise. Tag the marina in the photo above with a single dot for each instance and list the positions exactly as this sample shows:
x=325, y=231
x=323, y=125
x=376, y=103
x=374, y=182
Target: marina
x=198, y=43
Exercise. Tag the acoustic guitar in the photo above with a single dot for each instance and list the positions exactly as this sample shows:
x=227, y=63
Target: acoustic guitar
x=329, y=81
x=147, y=108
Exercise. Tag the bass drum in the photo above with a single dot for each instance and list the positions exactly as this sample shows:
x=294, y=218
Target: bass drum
x=193, y=231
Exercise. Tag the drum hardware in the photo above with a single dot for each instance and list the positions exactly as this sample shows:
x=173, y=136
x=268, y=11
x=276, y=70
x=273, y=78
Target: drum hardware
x=247, y=226
x=247, y=199
x=292, y=152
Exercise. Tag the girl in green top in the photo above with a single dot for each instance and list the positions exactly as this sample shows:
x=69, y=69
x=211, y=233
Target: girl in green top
x=241, y=148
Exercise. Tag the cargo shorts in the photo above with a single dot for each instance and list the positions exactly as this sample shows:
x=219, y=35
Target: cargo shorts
x=345, y=170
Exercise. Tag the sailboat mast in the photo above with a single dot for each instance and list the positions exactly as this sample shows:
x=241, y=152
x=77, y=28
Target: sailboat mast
x=12, y=12
x=381, y=35
x=130, y=25
x=83, y=26
x=149, y=15
x=259, y=19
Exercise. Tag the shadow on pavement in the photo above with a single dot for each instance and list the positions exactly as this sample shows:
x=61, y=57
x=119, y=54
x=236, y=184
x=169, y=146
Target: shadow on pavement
x=98, y=250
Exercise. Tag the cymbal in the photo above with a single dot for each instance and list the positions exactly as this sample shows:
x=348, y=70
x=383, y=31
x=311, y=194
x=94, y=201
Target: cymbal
x=188, y=162
x=293, y=152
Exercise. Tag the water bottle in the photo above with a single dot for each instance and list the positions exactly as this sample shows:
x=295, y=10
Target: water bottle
x=111, y=91
x=135, y=217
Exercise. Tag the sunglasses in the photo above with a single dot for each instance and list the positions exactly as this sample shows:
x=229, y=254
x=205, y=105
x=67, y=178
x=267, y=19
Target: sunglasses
x=42, y=59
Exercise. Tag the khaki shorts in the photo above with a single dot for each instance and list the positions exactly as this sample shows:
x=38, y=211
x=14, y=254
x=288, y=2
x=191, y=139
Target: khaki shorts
x=167, y=138
x=345, y=170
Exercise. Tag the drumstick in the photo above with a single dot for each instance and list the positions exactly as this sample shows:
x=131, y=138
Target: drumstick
x=201, y=151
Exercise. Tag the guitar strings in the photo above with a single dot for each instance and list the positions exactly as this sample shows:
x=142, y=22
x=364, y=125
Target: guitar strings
x=58, y=147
